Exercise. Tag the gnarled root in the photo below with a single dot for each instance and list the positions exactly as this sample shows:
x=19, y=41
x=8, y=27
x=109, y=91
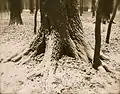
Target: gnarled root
x=102, y=67
x=9, y=58
x=19, y=56
x=49, y=62
x=44, y=69
x=36, y=47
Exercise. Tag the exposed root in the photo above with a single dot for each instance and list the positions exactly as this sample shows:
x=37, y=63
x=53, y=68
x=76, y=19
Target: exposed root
x=29, y=57
x=103, y=67
x=16, y=57
x=103, y=56
x=25, y=61
x=48, y=66
x=106, y=68
x=26, y=51
x=9, y=58
x=37, y=46
x=19, y=56
x=44, y=69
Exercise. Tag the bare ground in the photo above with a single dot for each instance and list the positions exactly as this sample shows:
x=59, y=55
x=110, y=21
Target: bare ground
x=72, y=76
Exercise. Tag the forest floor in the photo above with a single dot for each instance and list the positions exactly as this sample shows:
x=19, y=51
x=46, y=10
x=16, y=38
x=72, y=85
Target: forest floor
x=72, y=76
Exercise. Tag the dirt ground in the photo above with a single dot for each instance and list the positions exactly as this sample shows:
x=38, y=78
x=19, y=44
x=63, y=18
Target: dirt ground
x=72, y=76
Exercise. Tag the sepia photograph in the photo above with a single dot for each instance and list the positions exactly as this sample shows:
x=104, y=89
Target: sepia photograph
x=59, y=46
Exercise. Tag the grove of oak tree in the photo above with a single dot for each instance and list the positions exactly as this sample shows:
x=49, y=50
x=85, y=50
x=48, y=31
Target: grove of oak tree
x=61, y=33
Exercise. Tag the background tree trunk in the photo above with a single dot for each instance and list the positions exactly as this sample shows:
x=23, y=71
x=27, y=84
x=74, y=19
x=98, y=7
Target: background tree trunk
x=15, y=11
x=93, y=8
x=97, y=61
x=106, y=10
x=81, y=7
x=31, y=6
x=111, y=21
x=35, y=17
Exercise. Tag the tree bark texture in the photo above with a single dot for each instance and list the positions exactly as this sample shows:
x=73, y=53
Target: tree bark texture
x=62, y=31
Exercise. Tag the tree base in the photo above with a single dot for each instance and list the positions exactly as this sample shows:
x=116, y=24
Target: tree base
x=51, y=54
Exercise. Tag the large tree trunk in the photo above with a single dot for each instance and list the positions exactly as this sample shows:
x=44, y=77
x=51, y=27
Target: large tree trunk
x=15, y=12
x=111, y=21
x=64, y=25
x=61, y=33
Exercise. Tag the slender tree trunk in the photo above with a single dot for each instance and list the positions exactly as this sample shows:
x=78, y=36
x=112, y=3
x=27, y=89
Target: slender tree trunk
x=93, y=8
x=12, y=18
x=35, y=17
x=111, y=21
x=15, y=12
x=107, y=8
x=31, y=6
x=97, y=61
x=81, y=7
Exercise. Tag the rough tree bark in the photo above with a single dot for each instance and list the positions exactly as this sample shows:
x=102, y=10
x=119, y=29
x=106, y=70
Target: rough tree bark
x=15, y=7
x=61, y=33
x=111, y=21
